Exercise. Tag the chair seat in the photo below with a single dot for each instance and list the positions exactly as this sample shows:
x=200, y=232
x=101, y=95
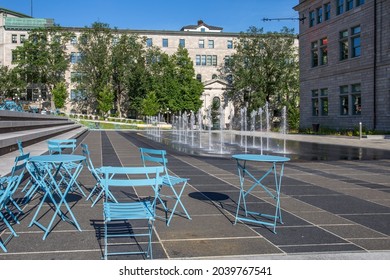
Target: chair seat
x=173, y=179
x=132, y=210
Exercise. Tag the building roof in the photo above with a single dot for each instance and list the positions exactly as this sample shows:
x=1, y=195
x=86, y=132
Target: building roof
x=199, y=25
x=16, y=14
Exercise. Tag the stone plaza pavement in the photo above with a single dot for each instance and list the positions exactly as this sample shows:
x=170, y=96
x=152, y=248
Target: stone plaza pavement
x=332, y=209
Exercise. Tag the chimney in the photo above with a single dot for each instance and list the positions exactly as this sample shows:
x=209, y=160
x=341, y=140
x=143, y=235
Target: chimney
x=200, y=22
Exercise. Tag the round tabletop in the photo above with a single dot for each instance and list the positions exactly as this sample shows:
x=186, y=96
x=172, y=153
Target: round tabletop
x=57, y=158
x=263, y=158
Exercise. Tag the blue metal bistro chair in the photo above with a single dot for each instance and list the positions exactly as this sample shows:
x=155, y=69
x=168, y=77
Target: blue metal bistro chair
x=117, y=214
x=97, y=175
x=8, y=187
x=8, y=184
x=150, y=156
x=57, y=146
x=17, y=172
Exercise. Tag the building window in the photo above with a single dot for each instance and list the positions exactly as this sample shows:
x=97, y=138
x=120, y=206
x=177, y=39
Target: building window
x=73, y=40
x=182, y=43
x=227, y=60
x=319, y=15
x=344, y=47
x=214, y=59
x=203, y=29
x=314, y=54
x=203, y=60
x=211, y=44
x=209, y=60
x=197, y=60
x=201, y=44
x=22, y=38
x=324, y=101
x=199, y=77
x=324, y=51
x=359, y=2
x=14, y=56
x=319, y=52
x=214, y=76
x=355, y=41
x=76, y=95
x=327, y=11
x=75, y=77
x=14, y=38
x=229, y=44
x=311, y=18
x=349, y=5
x=165, y=43
x=344, y=102
x=314, y=102
x=340, y=7
x=356, y=99
x=75, y=57
x=149, y=42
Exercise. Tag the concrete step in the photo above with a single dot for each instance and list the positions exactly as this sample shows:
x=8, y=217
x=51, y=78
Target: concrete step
x=8, y=140
x=36, y=148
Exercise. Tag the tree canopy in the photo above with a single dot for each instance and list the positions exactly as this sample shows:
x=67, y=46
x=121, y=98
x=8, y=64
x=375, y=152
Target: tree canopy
x=263, y=70
x=42, y=59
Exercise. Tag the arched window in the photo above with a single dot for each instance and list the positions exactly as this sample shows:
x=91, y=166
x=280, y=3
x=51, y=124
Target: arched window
x=199, y=77
x=214, y=76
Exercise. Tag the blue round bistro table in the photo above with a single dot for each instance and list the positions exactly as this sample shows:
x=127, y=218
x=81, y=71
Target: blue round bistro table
x=56, y=175
x=249, y=170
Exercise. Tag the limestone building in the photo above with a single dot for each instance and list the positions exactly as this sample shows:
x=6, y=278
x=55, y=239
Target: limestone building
x=344, y=48
x=208, y=46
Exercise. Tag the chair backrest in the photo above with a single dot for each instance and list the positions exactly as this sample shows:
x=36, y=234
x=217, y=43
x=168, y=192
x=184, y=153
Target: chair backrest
x=18, y=169
x=9, y=186
x=87, y=154
x=57, y=146
x=132, y=177
x=20, y=147
x=151, y=157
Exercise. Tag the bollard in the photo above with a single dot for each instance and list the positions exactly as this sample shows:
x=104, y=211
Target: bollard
x=360, y=130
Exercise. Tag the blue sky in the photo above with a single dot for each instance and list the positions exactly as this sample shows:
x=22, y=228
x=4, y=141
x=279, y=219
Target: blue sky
x=231, y=15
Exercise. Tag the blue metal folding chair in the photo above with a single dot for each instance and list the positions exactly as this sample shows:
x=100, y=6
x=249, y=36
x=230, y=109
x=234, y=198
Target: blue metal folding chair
x=130, y=178
x=31, y=186
x=97, y=174
x=57, y=146
x=8, y=187
x=17, y=173
x=8, y=184
x=175, y=184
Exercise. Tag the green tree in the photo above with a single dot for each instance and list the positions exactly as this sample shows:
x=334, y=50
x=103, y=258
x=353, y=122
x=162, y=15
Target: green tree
x=190, y=88
x=42, y=59
x=60, y=95
x=150, y=104
x=95, y=65
x=172, y=78
x=163, y=80
x=129, y=74
x=264, y=69
x=10, y=83
x=105, y=100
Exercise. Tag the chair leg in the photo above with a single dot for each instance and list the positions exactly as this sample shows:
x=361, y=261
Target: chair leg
x=105, y=240
x=2, y=246
x=8, y=225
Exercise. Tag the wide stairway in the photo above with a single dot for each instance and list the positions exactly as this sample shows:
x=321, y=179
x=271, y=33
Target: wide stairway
x=31, y=128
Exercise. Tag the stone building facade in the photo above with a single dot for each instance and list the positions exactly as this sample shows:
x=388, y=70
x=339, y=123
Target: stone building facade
x=344, y=48
x=207, y=46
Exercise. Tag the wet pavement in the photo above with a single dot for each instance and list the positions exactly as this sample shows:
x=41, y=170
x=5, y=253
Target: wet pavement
x=336, y=208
